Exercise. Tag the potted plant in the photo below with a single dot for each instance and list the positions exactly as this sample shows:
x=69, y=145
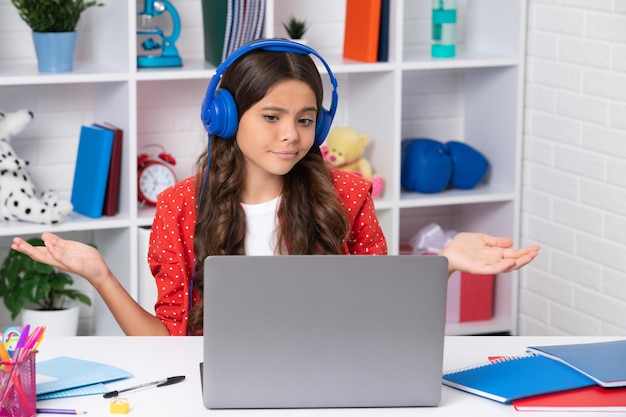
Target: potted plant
x=54, y=29
x=296, y=28
x=27, y=285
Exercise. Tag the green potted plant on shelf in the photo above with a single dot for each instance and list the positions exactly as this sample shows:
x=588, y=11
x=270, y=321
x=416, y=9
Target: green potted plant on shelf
x=35, y=289
x=53, y=23
x=296, y=28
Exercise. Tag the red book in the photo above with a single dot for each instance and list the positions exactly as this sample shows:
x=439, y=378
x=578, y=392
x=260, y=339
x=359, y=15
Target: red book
x=594, y=398
x=112, y=193
x=360, y=40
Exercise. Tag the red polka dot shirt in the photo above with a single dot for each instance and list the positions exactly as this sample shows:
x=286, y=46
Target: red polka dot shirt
x=171, y=256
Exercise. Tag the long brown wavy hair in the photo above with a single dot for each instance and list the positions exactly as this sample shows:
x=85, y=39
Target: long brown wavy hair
x=312, y=217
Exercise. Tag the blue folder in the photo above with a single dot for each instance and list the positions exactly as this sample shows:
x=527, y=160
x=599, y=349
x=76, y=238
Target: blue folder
x=604, y=362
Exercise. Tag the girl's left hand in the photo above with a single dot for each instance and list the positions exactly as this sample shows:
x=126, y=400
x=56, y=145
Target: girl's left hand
x=479, y=253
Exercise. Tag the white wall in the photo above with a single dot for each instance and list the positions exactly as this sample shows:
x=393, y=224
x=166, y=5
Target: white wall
x=574, y=187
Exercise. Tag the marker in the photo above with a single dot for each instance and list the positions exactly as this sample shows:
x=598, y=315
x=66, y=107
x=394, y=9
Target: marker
x=4, y=354
x=160, y=383
x=33, y=337
x=17, y=352
x=22, y=340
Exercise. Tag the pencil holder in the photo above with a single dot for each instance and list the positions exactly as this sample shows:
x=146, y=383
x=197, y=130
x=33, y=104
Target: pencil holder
x=17, y=388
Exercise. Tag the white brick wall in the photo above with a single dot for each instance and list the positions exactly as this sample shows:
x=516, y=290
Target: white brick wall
x=574, y=187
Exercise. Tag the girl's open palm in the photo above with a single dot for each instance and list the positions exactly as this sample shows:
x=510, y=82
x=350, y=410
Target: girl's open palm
x=67, y=255
x=479, y=253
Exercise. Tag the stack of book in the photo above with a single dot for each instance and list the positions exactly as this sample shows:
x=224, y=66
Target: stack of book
x=572, y=377
x=366, y=35
x=96, y=184
x=229, y=24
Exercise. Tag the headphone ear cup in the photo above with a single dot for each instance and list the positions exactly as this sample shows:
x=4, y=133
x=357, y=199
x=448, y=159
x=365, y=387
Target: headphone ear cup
x=223, y=117
x=322, y=126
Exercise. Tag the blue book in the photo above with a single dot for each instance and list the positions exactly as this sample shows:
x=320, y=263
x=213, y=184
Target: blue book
x=383, y=34
x=513, y=378
x=604, y=362
x=91, y=173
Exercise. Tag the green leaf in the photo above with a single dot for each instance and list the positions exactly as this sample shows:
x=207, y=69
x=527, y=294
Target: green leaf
x=52, y=15
x=14, y=305
x=78, y=296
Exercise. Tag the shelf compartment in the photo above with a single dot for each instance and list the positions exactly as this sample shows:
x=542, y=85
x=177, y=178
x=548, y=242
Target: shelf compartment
x=486, y=30
x=102, y=49
x=474, y=106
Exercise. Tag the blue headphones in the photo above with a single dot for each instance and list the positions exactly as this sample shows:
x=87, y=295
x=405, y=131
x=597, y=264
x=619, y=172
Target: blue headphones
x=219, y=110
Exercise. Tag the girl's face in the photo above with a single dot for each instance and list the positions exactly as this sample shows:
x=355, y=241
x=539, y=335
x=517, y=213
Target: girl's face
x=277, y=131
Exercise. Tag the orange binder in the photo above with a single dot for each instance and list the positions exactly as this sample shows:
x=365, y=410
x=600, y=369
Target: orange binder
x=360, y=40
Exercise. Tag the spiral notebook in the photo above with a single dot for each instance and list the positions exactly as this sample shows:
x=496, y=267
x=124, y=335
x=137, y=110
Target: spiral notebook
x=512, y=378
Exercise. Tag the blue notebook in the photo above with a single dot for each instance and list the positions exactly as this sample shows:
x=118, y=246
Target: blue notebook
x=508, y=379
x=604, y=362
x=91, y=173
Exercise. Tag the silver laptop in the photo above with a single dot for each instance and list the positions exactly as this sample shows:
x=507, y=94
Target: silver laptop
x=323, y=331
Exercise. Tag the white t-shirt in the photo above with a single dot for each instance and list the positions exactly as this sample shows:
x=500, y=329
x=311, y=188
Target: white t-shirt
x=261, y=223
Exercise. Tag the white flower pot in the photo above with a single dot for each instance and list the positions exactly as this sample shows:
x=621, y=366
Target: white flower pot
x=57, y=322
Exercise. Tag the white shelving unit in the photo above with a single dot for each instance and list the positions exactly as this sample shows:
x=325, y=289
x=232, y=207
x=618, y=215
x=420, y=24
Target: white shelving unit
x=475, y=97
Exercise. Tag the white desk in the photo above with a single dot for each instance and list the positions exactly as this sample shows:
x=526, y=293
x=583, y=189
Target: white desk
x=153, y=358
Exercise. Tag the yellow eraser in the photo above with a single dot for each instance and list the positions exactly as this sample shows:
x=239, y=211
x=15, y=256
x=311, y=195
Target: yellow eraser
x=119, y=406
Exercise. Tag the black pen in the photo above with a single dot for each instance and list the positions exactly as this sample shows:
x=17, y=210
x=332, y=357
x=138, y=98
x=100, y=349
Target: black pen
x=160, y=383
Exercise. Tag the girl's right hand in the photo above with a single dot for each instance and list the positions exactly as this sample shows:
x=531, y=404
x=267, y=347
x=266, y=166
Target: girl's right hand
x=67, y=255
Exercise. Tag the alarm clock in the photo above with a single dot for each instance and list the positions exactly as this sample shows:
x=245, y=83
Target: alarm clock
x=154, y=174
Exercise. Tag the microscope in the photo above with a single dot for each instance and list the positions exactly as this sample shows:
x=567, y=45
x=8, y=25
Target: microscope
x=168, y=56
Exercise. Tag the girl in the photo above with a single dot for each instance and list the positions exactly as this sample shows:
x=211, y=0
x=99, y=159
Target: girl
x=260, y=188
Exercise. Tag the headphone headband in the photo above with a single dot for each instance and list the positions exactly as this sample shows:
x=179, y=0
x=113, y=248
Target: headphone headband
x=219, y=114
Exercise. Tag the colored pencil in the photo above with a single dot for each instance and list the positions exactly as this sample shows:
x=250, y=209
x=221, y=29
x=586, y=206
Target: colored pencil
x=59, y=411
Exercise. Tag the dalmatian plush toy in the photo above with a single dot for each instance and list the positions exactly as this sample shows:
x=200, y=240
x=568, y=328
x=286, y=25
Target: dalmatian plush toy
x=18, y=196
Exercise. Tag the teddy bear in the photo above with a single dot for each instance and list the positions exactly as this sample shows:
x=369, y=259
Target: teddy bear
x=18, y=195
x=344, y=149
